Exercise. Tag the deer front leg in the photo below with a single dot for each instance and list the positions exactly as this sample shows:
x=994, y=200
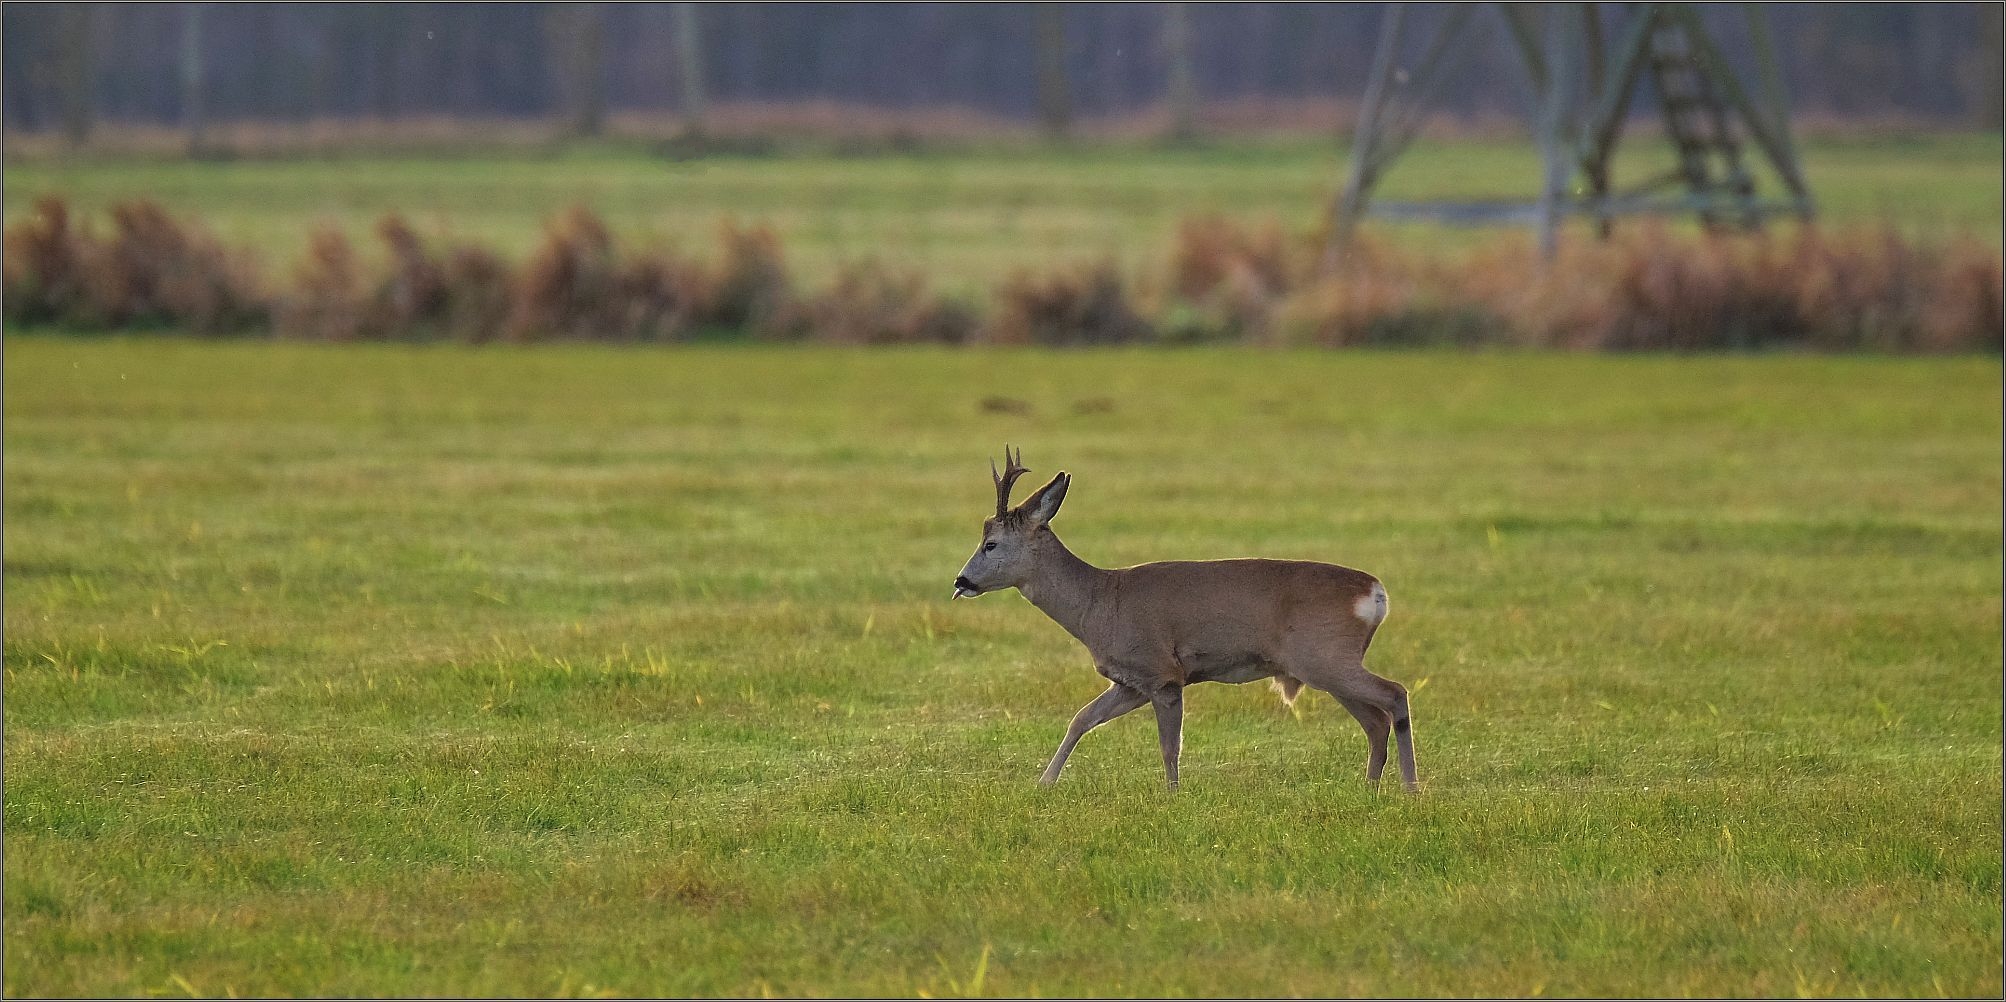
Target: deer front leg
x=1117, y=700
x=1170, y=729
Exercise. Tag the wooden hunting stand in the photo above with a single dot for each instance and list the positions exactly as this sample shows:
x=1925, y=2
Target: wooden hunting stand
x=1582, y=87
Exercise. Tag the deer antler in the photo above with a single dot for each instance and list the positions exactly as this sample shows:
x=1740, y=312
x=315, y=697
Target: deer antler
x=1012, y=469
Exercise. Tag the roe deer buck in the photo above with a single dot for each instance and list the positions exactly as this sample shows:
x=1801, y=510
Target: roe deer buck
x=1155, y=628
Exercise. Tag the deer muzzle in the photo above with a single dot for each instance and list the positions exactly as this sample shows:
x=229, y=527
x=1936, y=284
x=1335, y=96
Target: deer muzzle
x=964, y=588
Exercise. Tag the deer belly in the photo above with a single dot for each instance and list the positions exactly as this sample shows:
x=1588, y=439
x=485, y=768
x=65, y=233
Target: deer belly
x=1233, y=668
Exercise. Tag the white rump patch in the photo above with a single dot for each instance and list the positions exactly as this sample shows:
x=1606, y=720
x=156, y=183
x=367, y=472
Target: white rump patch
x=1371, y=606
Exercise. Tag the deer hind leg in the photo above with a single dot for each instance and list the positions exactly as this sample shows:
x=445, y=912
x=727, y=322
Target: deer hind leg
x=1354, y=683
x=1117, y=700
x=1378, y=725
x=1392, y=697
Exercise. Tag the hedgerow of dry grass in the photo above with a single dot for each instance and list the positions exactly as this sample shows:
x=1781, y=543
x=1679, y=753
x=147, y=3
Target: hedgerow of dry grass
x=871, y=304
x=151, y=271
x=751, y=289
x=477, y=304
x=1647, y=289
x=42, y=270
x=324, y=302
x=1090, y=306
x=570, y=286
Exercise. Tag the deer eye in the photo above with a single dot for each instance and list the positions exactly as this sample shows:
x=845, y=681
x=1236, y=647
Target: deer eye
x=990, y=545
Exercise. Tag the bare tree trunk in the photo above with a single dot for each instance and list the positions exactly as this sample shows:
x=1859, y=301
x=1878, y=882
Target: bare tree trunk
x=193, y=113
x=1928, y=56
x=385, y=50
x=1992, y=39
x=75, y=70
x=1055, y=101
x=1596, y=165
x=1182, y=91
x=330, y=44
x=578, y=43
x=689, y=59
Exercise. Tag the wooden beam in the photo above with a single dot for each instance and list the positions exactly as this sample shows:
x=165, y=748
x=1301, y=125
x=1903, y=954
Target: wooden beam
x=1181, y=89
x=1556, y=119
x=1663, y=179
x=1518, y=17
x=1777, y=98
x=689, y=66
x=193, y=118
x=1605, y=116
x=1628, y=205
x=1421, y=85
x=1530, y=213
x=1595, y=165
x=1364, y=137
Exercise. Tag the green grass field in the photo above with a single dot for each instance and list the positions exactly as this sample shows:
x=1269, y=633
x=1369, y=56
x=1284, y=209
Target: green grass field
x=965, y=218
x=359, y=670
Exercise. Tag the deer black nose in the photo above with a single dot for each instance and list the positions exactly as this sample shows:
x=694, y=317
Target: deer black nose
x=963, y=583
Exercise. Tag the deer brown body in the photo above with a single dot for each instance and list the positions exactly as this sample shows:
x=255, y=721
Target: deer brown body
x=1153, y=629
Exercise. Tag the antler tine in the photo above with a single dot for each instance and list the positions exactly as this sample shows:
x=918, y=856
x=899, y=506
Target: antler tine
x=1013, y=467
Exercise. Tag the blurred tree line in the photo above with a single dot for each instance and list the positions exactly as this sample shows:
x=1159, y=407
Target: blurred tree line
x=71, y=67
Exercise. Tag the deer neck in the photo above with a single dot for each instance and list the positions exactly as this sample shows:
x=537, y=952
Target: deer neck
x=1064, y=587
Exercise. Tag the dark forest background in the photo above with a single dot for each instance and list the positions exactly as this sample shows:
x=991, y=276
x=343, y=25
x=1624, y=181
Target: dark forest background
x=71, y=67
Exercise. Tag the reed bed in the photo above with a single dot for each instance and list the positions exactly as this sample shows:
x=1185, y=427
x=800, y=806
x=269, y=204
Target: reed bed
x=1647, y=289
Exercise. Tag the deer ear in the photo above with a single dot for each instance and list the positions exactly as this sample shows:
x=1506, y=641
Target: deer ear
x=1045, y=501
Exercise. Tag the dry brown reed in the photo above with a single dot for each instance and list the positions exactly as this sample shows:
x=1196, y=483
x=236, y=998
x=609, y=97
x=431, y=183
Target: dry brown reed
x=751, y=289
x=1647, y=289
x=871, y=304
x=1088, y=306
x=42, y=269
x=324, y=301
x=478, y=294
x=152, y=271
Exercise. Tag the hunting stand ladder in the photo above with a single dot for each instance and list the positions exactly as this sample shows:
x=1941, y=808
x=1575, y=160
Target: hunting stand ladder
x=1582, y=88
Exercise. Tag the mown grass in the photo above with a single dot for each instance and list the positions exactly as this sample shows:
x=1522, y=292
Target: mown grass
x=427, y=670
x=965, y=218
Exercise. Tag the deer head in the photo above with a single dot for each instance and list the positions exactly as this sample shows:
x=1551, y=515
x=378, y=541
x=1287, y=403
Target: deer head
x=1014, y=538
